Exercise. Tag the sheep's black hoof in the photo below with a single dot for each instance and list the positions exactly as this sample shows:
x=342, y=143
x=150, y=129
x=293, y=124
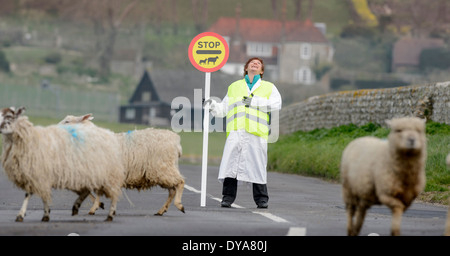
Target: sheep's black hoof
x=19, y=219
x=74, y=211
x=45, y=219
x=102, y=205
x=110, y=218
x=91, y=213
x=182, y=209
x=158, y=214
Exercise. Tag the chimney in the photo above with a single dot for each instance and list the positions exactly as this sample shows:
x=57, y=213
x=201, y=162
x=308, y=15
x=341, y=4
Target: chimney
x=283, y=22
x=237, y=36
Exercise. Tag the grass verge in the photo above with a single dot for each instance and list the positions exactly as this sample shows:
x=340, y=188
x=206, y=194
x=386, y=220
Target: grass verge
x=318, y=153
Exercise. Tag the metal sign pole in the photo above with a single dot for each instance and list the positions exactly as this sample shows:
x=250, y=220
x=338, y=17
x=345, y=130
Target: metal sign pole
x=208, y=52
x=205, y=141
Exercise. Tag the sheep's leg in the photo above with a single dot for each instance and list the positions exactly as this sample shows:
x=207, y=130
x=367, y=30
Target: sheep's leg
x=397, y=209
x=23, y=209
x=96, y=204
x=163, y=209
x=350, y=214
x=96, y=200
x=179, y=192
x=447, y=224
x=112, y=209
x=397, y=213
x=46, y=216
x=360, y=215
x=92, y=197
x=81, y=196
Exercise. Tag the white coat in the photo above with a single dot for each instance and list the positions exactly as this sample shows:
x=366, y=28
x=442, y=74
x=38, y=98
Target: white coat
x=245, y=155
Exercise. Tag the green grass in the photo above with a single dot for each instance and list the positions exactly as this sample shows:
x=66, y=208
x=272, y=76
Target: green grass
x=318, y=153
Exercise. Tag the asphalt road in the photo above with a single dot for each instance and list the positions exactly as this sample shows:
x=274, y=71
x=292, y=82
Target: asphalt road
x=298, y=206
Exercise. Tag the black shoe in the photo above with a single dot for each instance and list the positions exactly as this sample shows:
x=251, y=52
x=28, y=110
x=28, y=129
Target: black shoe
x=225, y=204
x=263, y=205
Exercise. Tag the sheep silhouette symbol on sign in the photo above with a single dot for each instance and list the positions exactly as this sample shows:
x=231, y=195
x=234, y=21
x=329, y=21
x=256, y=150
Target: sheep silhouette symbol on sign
x=208, y=52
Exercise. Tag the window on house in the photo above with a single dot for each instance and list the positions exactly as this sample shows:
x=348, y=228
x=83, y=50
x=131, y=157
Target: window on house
x=130, y=113
x=259, y=49
x=146, y=96
x=303, y=75
x=305, y=51
x=152, y=112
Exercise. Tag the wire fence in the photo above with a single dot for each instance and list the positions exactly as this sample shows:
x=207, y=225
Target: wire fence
x=55, y=102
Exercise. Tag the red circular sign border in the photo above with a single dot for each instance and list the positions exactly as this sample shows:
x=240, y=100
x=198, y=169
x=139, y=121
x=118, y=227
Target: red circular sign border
x=191, y=47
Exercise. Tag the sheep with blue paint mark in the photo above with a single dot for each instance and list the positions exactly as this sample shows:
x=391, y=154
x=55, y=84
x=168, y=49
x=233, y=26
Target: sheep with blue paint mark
x=150, y=158
x=77, y=158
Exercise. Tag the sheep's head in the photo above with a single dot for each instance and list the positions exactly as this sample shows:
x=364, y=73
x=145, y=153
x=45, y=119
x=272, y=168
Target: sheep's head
x=7, y=118
x=85, y=119
x=407, y=134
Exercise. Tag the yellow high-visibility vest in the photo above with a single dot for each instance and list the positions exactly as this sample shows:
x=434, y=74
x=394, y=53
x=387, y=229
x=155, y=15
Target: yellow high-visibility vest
x=247, y=117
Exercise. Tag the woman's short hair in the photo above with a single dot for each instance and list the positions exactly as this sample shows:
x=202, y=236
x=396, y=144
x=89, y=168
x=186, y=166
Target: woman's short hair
x=248, y=62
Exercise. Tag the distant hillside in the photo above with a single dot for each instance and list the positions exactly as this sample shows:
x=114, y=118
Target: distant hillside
x=335, y=13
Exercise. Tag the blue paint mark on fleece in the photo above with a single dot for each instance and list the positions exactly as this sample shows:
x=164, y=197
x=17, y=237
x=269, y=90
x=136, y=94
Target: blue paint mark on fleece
x=73, y=130
x=128, y=134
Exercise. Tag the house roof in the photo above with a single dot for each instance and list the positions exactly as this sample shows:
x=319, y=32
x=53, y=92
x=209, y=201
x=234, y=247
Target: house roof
x=146, y=84
x=407, y=50
x=270, y=31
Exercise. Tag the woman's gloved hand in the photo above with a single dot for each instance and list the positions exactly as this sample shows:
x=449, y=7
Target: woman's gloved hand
x=247, y=100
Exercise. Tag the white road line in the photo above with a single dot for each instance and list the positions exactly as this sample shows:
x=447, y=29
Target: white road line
x=296, y=231
x=293, y=231
x=212, y=197
x=272, y=217
x=191, y=189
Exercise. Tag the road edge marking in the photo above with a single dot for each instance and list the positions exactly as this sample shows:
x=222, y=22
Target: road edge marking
x=272, y=217
x=293, y=231
x=296, y=231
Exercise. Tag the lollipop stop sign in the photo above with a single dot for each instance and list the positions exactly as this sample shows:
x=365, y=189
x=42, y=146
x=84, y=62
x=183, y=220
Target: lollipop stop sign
x=208, y=52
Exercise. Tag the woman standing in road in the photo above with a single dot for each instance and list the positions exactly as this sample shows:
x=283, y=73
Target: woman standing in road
x=247, y=108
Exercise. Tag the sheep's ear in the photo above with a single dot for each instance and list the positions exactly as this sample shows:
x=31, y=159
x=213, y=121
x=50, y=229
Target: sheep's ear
x=19, y=111
x=88, y=117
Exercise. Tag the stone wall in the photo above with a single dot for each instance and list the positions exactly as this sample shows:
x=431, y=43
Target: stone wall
x=363, y=106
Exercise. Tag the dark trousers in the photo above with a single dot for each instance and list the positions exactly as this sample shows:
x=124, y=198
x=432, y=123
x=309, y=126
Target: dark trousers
x=229, y=191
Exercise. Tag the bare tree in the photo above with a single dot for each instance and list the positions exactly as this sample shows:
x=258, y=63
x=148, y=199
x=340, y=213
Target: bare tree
x=8, y=7
x=106, y=17
x=174, y=16
x=159, y=15
x=274, y=8
x=298, y=9
x=421, y=16
x=200, y=14
x=310, y=9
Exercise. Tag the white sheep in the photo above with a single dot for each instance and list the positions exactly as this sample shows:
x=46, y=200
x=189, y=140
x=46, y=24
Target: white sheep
x=150, y=157
x=78, y=158
x=392, y=172
x=447, y=224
